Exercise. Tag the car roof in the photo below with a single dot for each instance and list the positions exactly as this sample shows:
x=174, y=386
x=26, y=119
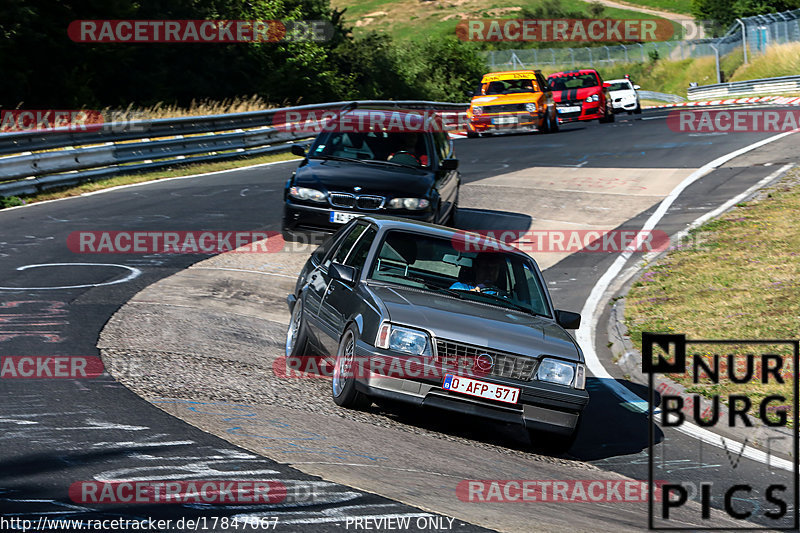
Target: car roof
x=618, y=80
x=527, y=72
x=387, y=222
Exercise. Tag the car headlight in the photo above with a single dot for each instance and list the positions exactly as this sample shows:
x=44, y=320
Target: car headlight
x=304, y=193
x=562, y=373
x=405, y=340
x=409, y=203
x=593, y=98
x=530, y=107
x=477, y=110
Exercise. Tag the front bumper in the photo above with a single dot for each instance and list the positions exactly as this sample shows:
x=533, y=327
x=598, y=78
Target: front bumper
x=542, y=406
x=589, y=111
x=625, y=105
x=525, y=122
x=305, y=217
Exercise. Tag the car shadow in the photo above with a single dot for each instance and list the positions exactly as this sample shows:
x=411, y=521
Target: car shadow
x=490, y=220
x=609, y=427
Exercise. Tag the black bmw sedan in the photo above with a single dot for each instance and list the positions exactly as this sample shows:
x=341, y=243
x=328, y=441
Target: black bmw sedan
x=418, y=313
x=349, y=172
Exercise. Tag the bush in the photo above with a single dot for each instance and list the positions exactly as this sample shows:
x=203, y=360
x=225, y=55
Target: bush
x=10, y=201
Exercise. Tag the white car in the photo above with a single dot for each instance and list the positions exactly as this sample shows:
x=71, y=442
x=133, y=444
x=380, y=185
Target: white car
x=624, y=96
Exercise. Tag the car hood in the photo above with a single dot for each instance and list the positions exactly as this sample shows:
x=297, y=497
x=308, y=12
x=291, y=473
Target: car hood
x=372, y=178
x=570, y=95
x=623, y=94
x=494, y=327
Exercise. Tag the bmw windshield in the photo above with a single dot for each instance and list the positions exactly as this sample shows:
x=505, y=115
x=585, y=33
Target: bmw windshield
x=442, y=265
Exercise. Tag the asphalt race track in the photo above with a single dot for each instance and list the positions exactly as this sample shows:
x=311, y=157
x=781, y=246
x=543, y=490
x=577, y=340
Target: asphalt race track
x=57, y=432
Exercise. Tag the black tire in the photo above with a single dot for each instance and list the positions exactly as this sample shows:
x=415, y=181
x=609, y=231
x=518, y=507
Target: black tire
x=547, y=125
x=552, y=442
x=638, y=110
x=554, y=123
x=343, y=384
x=297, y=334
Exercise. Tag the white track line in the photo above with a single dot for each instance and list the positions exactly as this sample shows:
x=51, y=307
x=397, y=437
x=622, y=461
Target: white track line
x=586, y=333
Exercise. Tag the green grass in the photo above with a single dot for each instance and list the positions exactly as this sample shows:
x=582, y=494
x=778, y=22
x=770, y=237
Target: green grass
x=128, y=179
x=672, y=6
x=416, y=21
x=781, y=60
x=738, y=279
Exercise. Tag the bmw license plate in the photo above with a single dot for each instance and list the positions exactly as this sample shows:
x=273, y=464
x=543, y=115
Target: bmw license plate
x=481, y=389
x=568, y=108
x=339, y=217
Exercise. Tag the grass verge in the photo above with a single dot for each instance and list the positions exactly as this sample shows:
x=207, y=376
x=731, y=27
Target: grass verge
x=739, y=279
x=128, y=179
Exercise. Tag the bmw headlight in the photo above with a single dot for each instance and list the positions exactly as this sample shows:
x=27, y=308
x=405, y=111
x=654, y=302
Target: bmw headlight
x=562, y=373
x=477, y=110
x=405, y=340
x=304, y=193
x=593, y=98
x=409, y=203
x=530, y=107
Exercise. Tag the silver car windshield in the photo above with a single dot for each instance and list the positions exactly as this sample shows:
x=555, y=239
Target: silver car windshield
x=443, y=265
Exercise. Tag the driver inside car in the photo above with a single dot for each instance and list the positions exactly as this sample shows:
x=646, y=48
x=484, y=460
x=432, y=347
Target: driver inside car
x=487, y=271
x=407, y=153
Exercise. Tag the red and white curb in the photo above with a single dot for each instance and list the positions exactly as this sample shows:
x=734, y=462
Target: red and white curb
x=780, y=100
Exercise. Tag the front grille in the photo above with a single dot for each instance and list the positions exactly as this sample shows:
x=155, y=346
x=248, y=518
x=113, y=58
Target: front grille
x=342, y=199
x=503, y=108
x=366, y=201
x=458, y=355
x=370, y=202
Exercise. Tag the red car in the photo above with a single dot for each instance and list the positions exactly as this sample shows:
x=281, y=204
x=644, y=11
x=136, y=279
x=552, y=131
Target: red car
x=581, y=95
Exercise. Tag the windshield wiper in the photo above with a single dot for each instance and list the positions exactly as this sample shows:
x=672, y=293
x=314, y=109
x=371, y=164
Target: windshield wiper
x=427, y=284
x=337, y=158
x=382, y=162
x=509, y=303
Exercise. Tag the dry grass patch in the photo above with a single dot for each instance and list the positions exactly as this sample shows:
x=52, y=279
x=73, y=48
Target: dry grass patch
x=739, y=279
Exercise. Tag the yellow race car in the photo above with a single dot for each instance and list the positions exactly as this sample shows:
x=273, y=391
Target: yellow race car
x=512, y=101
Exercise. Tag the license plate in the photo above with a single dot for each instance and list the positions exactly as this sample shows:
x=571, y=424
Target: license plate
x=568, y=108
x=339, y=217
x=481, y=389
x=504, y=120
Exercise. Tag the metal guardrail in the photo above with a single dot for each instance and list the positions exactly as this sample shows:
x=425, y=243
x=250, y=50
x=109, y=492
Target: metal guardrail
x=70, y=159
x=661, y=97
x=783, y=84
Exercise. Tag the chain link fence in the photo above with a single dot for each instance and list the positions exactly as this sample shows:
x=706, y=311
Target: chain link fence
x=762, y=31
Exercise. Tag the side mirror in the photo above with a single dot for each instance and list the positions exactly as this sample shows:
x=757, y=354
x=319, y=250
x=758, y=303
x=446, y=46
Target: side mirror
x=606, y=84
x=568, y=319
x=636, y=87
x=449, y=164
x=298, y=150
x=344, y=273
